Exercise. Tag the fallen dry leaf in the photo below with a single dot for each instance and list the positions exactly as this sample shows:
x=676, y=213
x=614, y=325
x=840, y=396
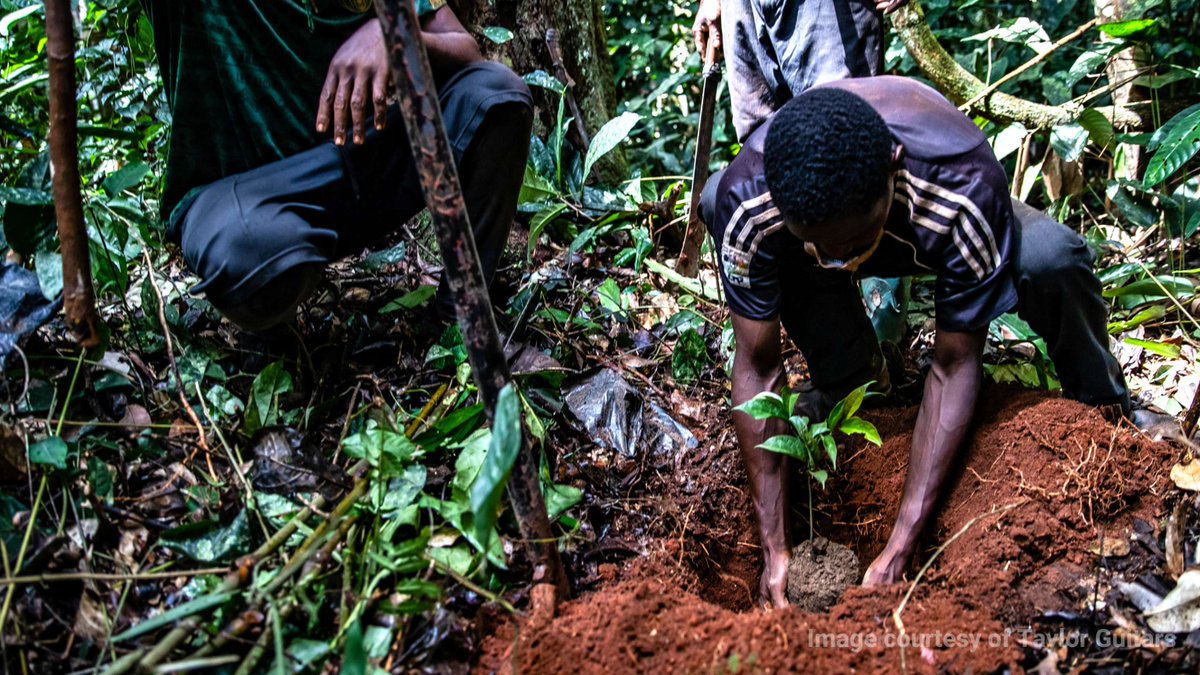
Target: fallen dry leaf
x=1187, y=476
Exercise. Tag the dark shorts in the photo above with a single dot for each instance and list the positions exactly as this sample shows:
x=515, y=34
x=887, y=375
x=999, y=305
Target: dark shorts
x=244, y=231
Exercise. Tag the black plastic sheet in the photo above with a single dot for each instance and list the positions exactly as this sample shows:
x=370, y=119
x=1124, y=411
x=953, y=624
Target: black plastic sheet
x=23, y=308
x=621, y=418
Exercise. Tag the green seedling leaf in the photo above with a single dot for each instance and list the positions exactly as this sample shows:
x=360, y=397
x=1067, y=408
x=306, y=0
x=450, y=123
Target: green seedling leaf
x=411, y=300
x=786, y=445
x=830, y=450
x=861, y=427
x=174, y=615
x=1163, y=286
x=608, y=138
x=497, y=465
x=609, y=295
x=1166, y=349
x=1178, y=147
x=765, y=406
x=50, y=452
x=848, y=407
x=800, y=424
x=821, y=475
x=541, y=219
x=100, y=478
x=1130, y=28
x=210, y=542
x=498, y=34
x=689, y=357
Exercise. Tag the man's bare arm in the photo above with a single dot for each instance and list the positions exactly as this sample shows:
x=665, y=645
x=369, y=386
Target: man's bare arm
x=758, y=367
x=942, y=424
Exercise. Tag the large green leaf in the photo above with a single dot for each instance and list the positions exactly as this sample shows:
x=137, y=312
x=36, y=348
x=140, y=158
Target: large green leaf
x=1177, y=147
x=497, y=466
x=608, y=138
x=1128, y=28
x=859, y=426
x=540, y=78
x=786, y=445
x=354, y=655
x=1099, y=128
x=51, y=452
x=767, y=405
x=386, y=450
x=126, y=177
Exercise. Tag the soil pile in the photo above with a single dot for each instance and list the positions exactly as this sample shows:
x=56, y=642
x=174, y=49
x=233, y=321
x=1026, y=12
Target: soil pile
x=819, y=572
x=1044, y=482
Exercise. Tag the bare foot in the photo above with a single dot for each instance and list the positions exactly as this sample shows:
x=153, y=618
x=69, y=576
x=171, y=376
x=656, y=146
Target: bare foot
x=887, y=569
x=772, y=589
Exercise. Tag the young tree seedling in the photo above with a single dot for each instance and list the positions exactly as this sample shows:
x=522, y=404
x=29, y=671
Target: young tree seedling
x=809, y=439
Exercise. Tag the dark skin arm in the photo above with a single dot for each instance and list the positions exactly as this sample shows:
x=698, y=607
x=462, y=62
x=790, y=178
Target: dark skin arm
x=758, y=367
x=356, y=84
x=951, y=390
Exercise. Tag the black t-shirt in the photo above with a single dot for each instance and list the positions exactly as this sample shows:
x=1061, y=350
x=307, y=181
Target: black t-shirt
x=952, y=215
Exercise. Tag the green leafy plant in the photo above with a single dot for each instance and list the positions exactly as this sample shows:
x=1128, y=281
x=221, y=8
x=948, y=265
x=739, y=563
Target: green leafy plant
x=810, y=441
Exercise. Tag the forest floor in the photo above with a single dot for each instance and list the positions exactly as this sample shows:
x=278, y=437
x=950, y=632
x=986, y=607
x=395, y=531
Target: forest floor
x=1047, y=483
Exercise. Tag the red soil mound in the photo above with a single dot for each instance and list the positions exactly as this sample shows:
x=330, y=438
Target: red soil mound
x=1043, y=481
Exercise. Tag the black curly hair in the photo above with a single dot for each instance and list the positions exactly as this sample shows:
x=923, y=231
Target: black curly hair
x=828, y=155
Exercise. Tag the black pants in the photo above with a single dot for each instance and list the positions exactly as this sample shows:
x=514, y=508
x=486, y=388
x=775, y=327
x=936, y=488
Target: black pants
x=1057, y=294
x=260, y=239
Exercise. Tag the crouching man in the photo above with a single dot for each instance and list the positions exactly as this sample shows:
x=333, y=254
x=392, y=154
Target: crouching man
x=884, y=177
x=285, y=155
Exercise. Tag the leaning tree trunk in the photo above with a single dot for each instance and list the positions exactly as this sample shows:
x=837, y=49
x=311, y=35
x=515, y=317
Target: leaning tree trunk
x=583, y=44
x=1122, y=69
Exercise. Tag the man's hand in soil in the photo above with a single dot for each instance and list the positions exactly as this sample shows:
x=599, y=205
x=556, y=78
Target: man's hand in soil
x=889, y=6
x=758, y=367
x=359, y=72
x=946, y=410
x=707, y=26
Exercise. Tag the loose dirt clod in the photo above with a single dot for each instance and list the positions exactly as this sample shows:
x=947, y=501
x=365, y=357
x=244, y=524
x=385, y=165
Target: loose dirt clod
x=818, y=573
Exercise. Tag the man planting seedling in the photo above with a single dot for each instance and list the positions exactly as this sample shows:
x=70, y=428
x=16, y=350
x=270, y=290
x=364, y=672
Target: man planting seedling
x=884, y=177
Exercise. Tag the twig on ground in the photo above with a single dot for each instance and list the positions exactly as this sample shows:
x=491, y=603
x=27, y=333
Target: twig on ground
x=162, y=320
x=896, y=613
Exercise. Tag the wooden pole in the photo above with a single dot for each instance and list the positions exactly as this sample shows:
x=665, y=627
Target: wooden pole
x=79, y=299
x=422, y=115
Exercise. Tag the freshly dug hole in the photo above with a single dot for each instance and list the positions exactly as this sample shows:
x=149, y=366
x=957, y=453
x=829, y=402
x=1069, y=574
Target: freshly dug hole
x=818, y=573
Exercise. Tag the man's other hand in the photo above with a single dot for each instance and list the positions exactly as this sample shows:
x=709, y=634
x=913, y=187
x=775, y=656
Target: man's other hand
x=889, y=6
x=707, y=26
x=358, y=73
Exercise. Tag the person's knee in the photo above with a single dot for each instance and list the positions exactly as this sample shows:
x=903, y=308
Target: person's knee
x=271, y=304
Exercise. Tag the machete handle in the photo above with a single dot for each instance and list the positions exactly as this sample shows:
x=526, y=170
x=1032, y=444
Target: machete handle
x=711, y=54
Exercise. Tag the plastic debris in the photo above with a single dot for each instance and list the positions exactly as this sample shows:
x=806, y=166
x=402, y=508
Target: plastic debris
x=23, y=307
x=620, y=417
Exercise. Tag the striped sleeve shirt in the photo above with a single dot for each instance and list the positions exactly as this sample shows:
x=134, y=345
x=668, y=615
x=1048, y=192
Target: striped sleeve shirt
x=951, y=216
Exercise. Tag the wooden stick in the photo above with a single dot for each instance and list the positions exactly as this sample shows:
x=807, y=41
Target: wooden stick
x=79, y=299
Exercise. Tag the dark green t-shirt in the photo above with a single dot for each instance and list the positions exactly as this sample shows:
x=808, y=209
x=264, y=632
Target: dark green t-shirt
x=243, y=78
